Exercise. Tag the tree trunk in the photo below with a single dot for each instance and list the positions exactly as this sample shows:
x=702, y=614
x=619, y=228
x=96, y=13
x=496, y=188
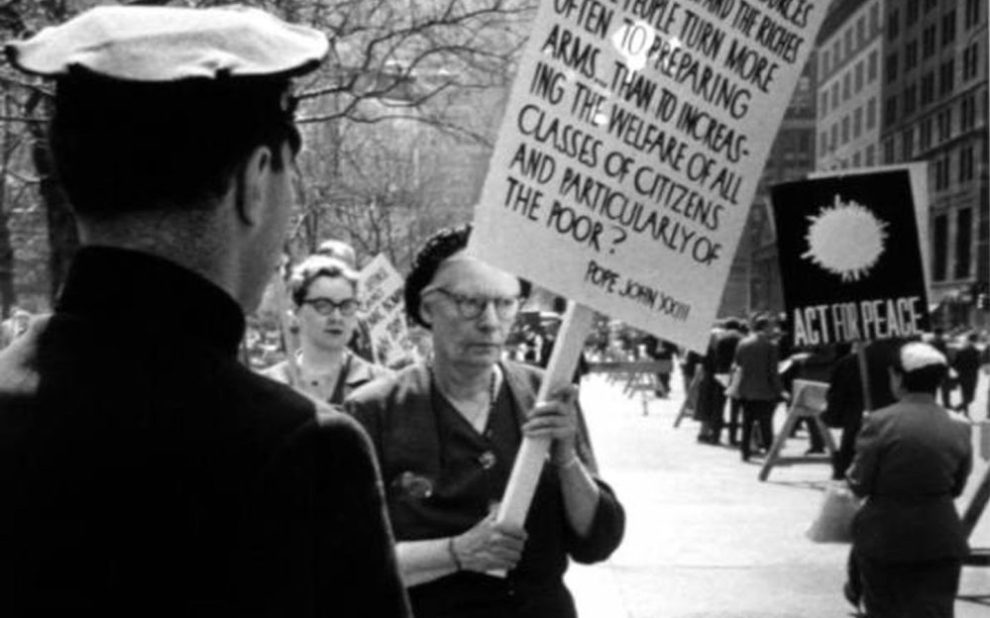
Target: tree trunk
x=8, y=295
x=63, y=239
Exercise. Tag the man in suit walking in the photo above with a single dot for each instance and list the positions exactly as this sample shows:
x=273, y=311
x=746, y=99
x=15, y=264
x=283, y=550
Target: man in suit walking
x=758, y=385
x=912, y=461
x=143, y=470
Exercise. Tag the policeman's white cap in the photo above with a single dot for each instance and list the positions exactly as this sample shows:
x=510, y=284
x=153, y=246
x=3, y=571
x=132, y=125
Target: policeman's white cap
x=917, y=355
x=164, y=44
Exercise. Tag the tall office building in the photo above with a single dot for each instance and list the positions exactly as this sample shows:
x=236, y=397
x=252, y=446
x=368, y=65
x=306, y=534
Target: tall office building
x=935, y=109
x=849, y=85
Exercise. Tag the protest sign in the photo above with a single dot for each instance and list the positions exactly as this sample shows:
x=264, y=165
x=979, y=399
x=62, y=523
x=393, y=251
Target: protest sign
x=850, y=257
x=918, y=172
x=631, y=148
x=384, y=312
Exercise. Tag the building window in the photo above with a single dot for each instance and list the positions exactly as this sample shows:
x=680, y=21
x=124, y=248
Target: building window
x=910, y=99
x=849, y=42
x=972, y=13
x=928, y=88
x=891, y=67
x=857, y=122
x=967, y=119
x=835, y=135
x=871, y=113
x=857, y=160
x=966, y=163
x=824, y=64
x=836, y=54
x=835, y=94
x=845, y=129
x=846, y=86
x=925, y=134
x=971, y=61
x=948, y=28
x=928, y=41
x=944, y=124
x=861, y=31
x=930, y=4
x=893, y=24
x=947, y=75
x=888, y=150
x=871, y=152
x=942, y=173
x=890, y=112
x=940, y=238
x=859, y=76
x=912, y=12
x=907, y=144
x=964, y=241
x=871, y=68
x=911, y=55
x=822, y=144
x=823, y=105
x=874, y=17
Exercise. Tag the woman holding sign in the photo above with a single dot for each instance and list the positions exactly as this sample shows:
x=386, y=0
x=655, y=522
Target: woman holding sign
x=324, y=296
x=447, y=434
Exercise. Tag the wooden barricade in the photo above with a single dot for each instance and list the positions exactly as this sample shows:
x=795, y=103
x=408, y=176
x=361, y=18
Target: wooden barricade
x=807, y=401
x=690, y=398
x=640, y=377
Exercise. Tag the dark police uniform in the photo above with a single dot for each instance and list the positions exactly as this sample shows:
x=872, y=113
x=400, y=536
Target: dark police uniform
x=143, y=470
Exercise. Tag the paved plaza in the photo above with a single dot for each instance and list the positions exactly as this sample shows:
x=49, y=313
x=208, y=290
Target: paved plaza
x=705, y=538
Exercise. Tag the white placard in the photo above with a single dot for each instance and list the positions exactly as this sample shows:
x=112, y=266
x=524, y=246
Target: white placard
x=631, y=148
x=384, y=312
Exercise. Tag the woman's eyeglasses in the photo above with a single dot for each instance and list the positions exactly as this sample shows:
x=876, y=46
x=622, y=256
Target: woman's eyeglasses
x=470, y=307
x=325, y=306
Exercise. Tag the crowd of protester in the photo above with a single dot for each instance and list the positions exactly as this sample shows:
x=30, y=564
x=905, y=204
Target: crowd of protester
x=146, y=470
x=906, y=454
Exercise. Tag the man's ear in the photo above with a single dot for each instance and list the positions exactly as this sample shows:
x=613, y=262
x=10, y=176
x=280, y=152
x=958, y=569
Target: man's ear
x=252, y=179
x=426, y=313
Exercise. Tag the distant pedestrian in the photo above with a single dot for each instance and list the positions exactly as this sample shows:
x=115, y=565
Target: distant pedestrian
x=967, y=367
x=940, y=343
x=758, y=385
x=912, y=461
x=716, y=368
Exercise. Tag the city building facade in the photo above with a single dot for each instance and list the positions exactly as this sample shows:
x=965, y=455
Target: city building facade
x=754, y=280
x=905, y=81
x=935, y=110
x=849, y=85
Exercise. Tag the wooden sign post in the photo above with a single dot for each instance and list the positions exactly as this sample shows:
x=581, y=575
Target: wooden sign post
x=606, y=186
x=533, y=453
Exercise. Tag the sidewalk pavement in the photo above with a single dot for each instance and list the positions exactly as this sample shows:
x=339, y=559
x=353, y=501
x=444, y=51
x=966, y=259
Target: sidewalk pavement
x=705, y=538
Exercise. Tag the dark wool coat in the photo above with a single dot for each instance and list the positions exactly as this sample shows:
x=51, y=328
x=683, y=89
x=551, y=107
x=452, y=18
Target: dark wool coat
x=416, y=437
x=145, y=472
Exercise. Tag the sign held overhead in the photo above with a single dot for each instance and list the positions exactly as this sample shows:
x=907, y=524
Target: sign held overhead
x=633, y=140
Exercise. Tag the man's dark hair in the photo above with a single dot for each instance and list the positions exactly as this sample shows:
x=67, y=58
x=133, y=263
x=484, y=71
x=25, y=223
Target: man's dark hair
x=121, y=147
x=438, y=248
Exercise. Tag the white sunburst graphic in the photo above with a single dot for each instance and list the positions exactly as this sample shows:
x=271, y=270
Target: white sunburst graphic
x=845, y=239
